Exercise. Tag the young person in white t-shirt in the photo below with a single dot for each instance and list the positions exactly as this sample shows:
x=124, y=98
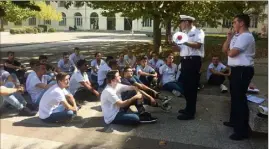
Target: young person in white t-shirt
x=75, y=57
x=216, y=73
x=114, y=107
x=168, y=73
x=130, y=59
x=65, y=65
x=80, y=86
x=240, y=48
x=95, y=64
x=121, y=62
x=146, y=74
x=37, y=83
x=110, y=64
x=57, y=105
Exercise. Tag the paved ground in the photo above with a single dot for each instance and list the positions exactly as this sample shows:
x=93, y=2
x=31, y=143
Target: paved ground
x=89, y=130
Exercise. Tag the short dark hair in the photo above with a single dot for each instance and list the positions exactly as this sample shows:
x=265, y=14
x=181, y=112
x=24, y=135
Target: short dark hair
x=60, y=76
x=126, y=68
x=33, y=62
x=76, y=48
x=96, y=54
x=244, y=18
x=42, y=57
x=112, y=62
x=10, y=52
x=111, y=75
x=65, y=53
x=81, y=63
x=108, y=58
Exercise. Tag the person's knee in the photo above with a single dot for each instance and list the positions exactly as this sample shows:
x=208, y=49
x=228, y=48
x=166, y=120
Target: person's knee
x=9, y=85
x=70, y=113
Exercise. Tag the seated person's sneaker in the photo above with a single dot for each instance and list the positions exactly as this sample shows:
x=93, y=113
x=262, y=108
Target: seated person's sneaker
x=166, y=107
x=26, y=112
x=147, y=118
x=32, y=107
x=223, y=88
x=176, y=93
x=238, y=137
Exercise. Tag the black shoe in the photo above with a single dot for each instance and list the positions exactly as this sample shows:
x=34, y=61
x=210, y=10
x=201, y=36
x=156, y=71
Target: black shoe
x=228, y=124
x=185, y=117
x=26, y=112
x=182, y=111
x=146, y=118
x=31, y=107
x=238, y=137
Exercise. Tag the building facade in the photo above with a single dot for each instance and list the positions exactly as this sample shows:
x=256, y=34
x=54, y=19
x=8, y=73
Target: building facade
x=86, y=18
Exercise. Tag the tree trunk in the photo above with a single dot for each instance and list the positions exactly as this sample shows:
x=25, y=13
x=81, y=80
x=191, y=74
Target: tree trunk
x=2, y=24
x=156, y=33
x=168, y=31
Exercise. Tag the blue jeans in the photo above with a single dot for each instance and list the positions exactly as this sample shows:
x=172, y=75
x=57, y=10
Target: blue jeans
x=128, y=118
x=60, y=115
x=15, y=99
x=170, y=86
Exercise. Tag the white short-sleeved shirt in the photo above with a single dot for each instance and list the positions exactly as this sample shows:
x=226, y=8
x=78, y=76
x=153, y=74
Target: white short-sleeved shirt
x=168, y=73
x=147, y=69
x=218, y=68
x=75, y=80
x=129, y=61
x=75, y=58
x=245, y=43
x=178, y=71
x=51, y=100
x=65, y=67
x=109, y=97
x=156, y=65
x=95, y=64
x=31, y=82
x=194, y=35
x=101, y=75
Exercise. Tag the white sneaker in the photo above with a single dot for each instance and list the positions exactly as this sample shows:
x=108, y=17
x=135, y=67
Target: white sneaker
x=223, y=88
x=176, y=93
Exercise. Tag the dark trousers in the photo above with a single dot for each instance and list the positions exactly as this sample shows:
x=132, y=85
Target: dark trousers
x=146, y=80
x=239, y=116
x=83, y=94
x=129, y=94
x=190, y=68
x=216, y=79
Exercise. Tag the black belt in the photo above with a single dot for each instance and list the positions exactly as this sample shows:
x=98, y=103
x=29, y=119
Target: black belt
x=190, y=57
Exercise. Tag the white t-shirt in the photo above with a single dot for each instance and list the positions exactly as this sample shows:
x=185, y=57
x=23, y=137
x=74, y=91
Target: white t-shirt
x=156, y=65
x=95, y=64
x=146, y=69
x=51, y=100
x=75, y=80
x=216, y=68
x=101, y=74
x=245, y=43
x=130, y=61
x=75, y=58
x=178, y=71
x=194, y=35
x=31, y=82
x=65, y=67
x=108, y=98
x=168, y=73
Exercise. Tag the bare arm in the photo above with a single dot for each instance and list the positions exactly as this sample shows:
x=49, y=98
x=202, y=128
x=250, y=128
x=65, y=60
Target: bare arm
x=68, y=106
x=129, y=101
x=89, y=87
x=12, y=66
x=7, y=91
x=71, y=99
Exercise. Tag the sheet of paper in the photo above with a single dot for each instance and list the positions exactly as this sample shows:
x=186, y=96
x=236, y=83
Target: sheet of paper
x=255, y=99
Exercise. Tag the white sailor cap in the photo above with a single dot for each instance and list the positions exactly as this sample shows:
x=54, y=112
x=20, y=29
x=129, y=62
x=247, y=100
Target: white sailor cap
x=185, y=18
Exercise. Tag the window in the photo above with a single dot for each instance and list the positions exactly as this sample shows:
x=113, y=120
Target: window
x=253, y=22
x=32, y=21
x=147, y=23
x=227, y=23
x=63, y=22
x=47, y=22
x=78, y=19
x=19, y=23
x=61, y=3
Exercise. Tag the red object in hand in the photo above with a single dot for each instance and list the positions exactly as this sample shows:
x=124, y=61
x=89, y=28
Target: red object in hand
x=179, y=37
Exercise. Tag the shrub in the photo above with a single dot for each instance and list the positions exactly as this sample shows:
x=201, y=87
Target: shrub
x=45, y=27
x=35, y=30
x=12, y=31
x=22, y=30
x=51, y=30
x=29, y=29
x=256, y=35
x=2, y=29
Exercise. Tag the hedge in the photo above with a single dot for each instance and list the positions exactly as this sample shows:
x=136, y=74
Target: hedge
x=52, y=30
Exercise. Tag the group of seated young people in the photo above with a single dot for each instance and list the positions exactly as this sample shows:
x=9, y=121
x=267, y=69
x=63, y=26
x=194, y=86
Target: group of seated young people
x=57, y=92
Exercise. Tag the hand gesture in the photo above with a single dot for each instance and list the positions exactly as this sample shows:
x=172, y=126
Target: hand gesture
x=230, y=34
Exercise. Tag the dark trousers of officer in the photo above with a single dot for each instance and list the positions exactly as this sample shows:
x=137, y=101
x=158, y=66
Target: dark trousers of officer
x=190, y=68
x=239, y=116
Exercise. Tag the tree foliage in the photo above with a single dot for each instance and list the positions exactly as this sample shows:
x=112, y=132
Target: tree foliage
x=48, y=12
